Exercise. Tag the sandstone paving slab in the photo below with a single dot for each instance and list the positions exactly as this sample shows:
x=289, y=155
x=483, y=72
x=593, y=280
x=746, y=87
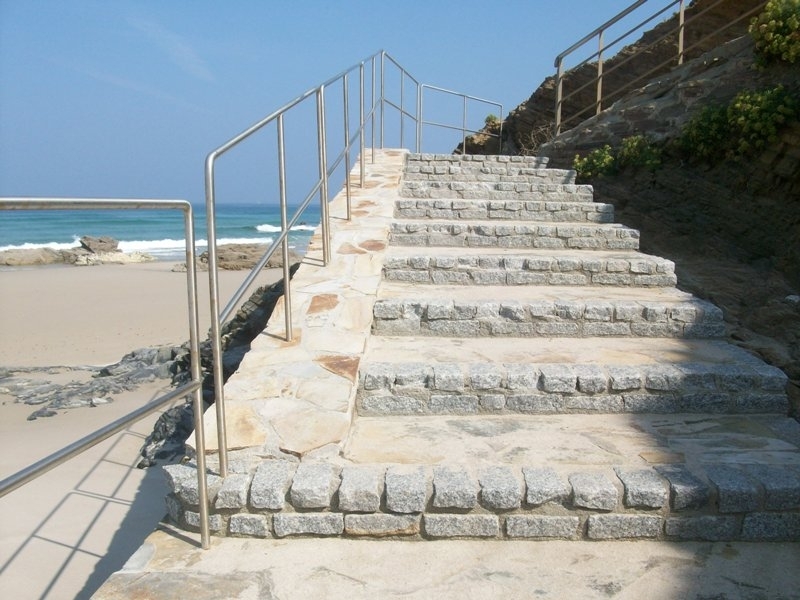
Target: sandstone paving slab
x=565, y=442
x=170, y=564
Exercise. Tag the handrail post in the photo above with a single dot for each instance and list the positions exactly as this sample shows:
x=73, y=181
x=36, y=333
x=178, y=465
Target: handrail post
x=559, y=91
x=323, y=173
x=420, y=89
x=681, y=27
x=361, y=125
x=402, y=108
x=216, y=343
x=197, y=375
x=383, y=93
x=372, y=110
x=464, y=126
x=346, y=104
x=599, y=101
x=287, y=295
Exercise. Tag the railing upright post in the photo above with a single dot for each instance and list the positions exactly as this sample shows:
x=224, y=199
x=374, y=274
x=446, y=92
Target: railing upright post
x=197, y=375
x=420, y=90
x=402, y=107
x=323, y=173
x=346, y=104
x=599, y=101
x=464, y=127
x=681, y=27
x=287, y=292
x=361, y=125
x=559, y=91
x=216, y=336
x=383, y=93
x=372, y=110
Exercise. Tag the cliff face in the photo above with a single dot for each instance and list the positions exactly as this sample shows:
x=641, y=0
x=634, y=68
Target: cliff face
x=531, y=123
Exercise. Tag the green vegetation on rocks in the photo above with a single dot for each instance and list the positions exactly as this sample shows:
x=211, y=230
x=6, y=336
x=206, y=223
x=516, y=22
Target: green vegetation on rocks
x=776, y=31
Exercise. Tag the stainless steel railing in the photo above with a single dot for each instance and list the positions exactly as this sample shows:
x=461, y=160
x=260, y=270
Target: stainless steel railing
x=683, y=21
x=193, y=387
x=387, y=81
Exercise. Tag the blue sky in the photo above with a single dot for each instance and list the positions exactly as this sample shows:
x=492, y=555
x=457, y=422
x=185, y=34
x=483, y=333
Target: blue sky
x=123, y=98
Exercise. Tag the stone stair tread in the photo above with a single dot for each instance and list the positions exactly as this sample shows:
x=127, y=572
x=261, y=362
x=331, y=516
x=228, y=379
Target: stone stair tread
x=438, y=293
x=593, y=351
x=526, y=225
x=576, y=442
x=622, y=254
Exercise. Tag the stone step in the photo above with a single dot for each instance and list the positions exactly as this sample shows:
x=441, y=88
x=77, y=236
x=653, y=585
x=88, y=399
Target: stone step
x=473, y=161
x=505, y=210
x=541, y=192
x=568, y=311
x=573, y=477
x=499, y=266
x=402, y=375
x=480, y=234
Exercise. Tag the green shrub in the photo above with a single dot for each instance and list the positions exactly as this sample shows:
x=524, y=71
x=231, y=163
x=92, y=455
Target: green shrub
x=635, y=151
x=776, y=31
x=491, y=120
x=598, y=162
x=747, y=124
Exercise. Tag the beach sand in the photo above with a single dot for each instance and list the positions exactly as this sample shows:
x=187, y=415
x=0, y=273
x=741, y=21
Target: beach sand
x=66, y=532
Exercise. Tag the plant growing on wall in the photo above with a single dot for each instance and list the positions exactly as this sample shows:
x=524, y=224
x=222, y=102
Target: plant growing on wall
x=776, y=31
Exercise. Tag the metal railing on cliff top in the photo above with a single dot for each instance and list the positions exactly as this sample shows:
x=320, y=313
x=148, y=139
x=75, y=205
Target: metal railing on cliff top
x=678, y=32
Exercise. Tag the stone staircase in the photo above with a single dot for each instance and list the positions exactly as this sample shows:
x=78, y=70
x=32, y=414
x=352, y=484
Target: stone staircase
x=529, y=375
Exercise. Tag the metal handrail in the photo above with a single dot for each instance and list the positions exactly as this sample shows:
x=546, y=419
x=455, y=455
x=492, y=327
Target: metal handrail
x=194, y=386
x=681, y=50
x=464, y=129
x=379, y=63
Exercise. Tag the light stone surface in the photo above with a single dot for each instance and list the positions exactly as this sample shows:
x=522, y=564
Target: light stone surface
x=381, y=525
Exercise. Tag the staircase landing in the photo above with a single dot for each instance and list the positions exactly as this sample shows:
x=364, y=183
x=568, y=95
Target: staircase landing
x=537, y=383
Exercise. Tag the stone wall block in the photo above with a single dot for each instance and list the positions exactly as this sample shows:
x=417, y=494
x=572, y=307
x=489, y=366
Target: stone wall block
x=456, y=526
x=270, y=484
x=594, y=491
x=736, y=491
x=686, y=490
x=454, y=487
x=406, y=489
x=285, y=524
x=361, y=488
x=614, y=527
x=382, y=525
x=543, y=527
x=314, y=485
x=544, y=485
x=500, y=488
x=643, y=488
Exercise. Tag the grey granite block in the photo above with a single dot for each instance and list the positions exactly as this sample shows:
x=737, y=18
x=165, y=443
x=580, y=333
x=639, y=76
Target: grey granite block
x=710, y=528
x=454, y=487
x=448, y=377
x=615, y=527
x=522, y=376
x=458, y=404
x=183, y=481
x=308, y=524
x=393, y=405
x=736, y=492
x=450, y=526
x=771, y=527
x=250, y=525
x=781, y=485
x=591, y=379
x=381, y=525
x=406, y=489
x=233, y=493
x=215, y=522
x=686, y=490
x=544, y=485
x=361, y=488
x=643, y=488
x=558, y=379
x=485, y=377
x=314, y=484
x=500, y=488
x=537, y=526
x=594, y=491
x=412, y=374
x=492, y=402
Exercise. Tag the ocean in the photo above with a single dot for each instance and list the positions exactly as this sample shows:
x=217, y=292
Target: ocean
x=155, y=232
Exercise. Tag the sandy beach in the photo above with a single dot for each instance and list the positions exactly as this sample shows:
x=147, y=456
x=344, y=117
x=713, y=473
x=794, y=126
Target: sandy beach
x=64, y=533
